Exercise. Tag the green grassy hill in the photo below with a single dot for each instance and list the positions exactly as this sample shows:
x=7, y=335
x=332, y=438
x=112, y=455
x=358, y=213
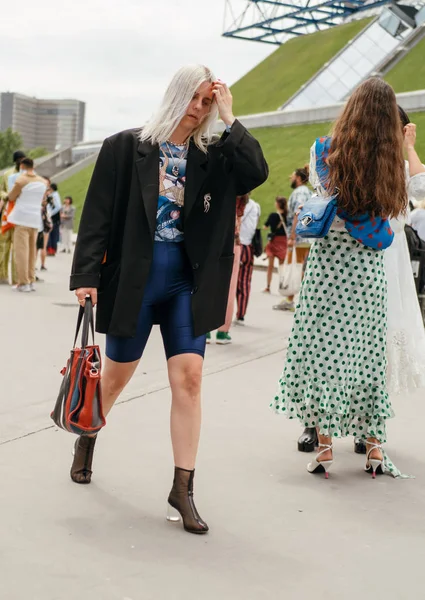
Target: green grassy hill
x=280, y=75
x=409, y=74
x=76, y=187
x=285, y=148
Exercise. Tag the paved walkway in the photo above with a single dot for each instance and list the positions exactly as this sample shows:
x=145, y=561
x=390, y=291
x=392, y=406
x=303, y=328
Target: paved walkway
x=276, y=531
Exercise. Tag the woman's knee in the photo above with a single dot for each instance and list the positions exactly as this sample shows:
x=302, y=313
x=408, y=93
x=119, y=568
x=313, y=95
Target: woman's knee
x=186, y=378
x=116, y=376
x=192, y=383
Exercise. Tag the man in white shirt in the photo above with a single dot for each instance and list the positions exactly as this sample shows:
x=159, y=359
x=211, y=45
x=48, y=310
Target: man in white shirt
x=300, y=195
x=249, y=224
x=27, y=193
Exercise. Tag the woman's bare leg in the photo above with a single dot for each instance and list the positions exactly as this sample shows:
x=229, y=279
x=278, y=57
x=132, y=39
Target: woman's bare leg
x=270, y=268
x=115, y=377
x=185, y=375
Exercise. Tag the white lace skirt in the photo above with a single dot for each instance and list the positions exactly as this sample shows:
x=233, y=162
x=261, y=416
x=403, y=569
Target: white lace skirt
x=406, y=333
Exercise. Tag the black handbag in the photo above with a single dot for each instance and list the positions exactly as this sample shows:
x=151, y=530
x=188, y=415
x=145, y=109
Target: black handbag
x=257, y=243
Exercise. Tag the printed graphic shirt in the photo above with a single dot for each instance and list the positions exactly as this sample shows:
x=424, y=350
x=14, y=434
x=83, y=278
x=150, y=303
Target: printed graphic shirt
x=172, y=180
x=299, y=197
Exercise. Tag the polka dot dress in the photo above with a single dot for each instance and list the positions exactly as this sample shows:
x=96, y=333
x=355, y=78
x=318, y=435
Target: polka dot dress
x=335, y=371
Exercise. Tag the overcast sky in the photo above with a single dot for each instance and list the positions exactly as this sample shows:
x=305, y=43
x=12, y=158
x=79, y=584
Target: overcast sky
x=115, y=55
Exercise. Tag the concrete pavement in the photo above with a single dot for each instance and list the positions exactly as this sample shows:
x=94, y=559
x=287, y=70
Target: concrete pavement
x=276, y=531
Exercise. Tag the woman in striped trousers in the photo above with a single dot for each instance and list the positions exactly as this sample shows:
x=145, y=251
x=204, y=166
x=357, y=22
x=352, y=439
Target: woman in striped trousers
x=248, y=226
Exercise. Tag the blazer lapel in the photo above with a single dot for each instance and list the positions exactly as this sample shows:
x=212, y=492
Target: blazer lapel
x=148, y=173
x=196, y=172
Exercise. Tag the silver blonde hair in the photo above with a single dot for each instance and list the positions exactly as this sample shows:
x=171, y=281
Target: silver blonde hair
x=174, y=105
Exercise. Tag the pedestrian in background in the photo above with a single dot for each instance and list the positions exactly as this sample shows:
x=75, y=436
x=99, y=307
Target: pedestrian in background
x=249, y=224
x=27, y=194
x=223, y=333
x=55, y=215
x=67, y=224
x=43, y=236
x=300, y=195
x=277, y=237
x=6, y=235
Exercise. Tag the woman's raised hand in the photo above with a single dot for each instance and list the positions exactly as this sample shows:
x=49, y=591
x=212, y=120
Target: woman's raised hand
x=410, y=136
x=224, y=101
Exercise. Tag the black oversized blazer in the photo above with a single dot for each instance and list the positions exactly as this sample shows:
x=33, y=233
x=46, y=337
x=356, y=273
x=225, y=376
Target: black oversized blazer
x=116, y=236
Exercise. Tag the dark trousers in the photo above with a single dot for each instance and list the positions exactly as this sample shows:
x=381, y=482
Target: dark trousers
x=244, y=280
x=54, y=238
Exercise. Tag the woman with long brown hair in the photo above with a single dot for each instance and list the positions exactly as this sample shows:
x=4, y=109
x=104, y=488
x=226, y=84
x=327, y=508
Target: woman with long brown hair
x=335, y=372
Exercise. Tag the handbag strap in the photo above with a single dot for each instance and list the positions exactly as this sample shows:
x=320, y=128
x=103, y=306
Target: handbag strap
x=282, y=222
x=293, y=253
x=85, y=317
x=323, y=146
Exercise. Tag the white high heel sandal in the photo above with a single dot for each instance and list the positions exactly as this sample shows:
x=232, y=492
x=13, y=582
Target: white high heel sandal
x=317, y=466
x=374, y=465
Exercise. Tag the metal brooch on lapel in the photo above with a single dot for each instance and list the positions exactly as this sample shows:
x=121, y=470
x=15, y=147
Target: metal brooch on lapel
x=207, y=202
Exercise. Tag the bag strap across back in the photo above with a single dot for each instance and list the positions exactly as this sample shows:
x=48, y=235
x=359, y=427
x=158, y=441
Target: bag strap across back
x=282, y=223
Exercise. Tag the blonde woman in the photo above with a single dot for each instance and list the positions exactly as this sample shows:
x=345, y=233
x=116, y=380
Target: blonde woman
x=155, y=245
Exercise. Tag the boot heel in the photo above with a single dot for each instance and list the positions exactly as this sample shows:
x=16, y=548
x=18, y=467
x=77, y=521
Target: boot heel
x=173, y=515
x=308, y=440
x=181, y=497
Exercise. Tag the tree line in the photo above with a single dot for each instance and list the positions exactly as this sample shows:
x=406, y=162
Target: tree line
x=10, y=141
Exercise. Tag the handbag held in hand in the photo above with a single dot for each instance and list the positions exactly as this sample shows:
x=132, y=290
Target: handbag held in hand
x=78, y=408
x=290, y=275
x=257, y=243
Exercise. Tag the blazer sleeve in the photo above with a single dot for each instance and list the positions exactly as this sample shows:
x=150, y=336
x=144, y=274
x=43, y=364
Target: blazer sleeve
x=96, y=218
x=245, y=158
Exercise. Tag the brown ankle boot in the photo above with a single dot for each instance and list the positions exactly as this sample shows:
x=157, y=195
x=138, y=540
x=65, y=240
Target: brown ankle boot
x=181, y=500
x=83, y=457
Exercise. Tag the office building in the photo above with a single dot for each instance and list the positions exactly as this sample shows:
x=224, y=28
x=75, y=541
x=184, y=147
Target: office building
x=53, y=124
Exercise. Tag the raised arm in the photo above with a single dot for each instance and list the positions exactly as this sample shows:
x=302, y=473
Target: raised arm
x=415, y=164
x=95, y=222
x=245, y=157
x=416, y=182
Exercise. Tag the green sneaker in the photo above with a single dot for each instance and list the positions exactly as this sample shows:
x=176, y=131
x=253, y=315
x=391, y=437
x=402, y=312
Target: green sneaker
x=208, y=338
x=223, y=338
